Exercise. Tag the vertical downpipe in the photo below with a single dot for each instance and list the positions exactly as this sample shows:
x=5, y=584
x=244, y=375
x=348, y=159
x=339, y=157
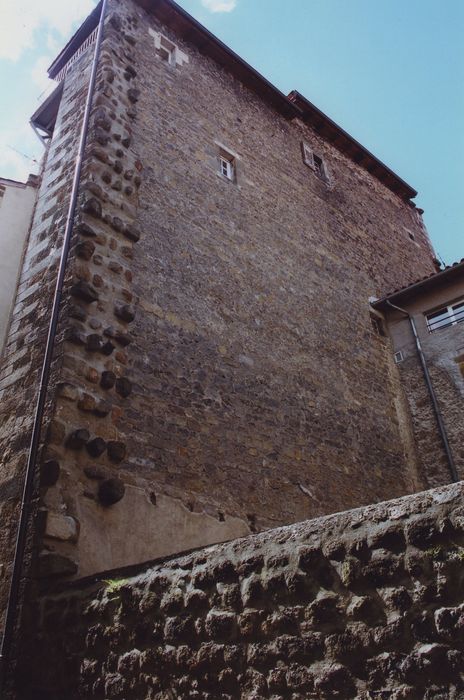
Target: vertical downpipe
x=28, y=488
x=433, y=396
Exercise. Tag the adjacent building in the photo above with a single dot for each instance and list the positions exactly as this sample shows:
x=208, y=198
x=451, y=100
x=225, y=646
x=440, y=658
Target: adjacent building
x=424, y=322
x=17, y=201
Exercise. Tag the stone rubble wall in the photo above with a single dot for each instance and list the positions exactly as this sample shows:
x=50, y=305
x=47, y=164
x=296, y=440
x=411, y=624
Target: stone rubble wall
x=24, y=347
x=364, y=604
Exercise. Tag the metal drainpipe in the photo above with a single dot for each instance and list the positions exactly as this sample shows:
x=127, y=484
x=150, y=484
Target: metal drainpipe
x=433, y=396
x=28, y=488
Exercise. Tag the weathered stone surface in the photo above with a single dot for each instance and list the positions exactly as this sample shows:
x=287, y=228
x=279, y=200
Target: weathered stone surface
x=226, y=619
x=61, y=527
x=125, y=312
x=93, y=207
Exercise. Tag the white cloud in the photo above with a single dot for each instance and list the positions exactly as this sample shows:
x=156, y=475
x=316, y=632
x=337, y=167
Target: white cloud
x=21, y=19
x=20, y=152
x=219, y=5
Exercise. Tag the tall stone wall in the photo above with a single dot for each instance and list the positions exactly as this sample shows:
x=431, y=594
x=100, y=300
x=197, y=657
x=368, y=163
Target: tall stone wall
x=24, y=347
x=364, y=604
x=217, y=372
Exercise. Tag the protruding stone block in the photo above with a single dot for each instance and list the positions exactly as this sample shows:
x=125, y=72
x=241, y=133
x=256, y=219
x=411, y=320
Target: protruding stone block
x=78, y=439
x=125, y=312
x=111, y=491
x=133, y=94
x=93, y=207
x=49, y=473
x=85, y=291
x=85, y=250
x=96, y=447
x=107, y=380
x=116, y=450
x=86, y=230
x=61, y=527
x=94, y=342
x=131, y=232
x=94, y=471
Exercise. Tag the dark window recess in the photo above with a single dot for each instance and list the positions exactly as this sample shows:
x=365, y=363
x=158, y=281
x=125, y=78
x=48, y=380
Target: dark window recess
x=377, y=325
x=318, y=165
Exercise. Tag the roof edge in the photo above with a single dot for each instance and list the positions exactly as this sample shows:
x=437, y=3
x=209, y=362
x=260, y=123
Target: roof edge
x=291, y=106
x=348, y=145
x=450, y=272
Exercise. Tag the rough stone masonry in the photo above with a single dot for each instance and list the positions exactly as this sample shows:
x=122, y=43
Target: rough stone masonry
x=216, y=371
x=363, y=605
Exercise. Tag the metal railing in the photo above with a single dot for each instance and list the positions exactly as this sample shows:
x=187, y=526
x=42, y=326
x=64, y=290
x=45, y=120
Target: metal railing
x=451, y=319
x=85, y=45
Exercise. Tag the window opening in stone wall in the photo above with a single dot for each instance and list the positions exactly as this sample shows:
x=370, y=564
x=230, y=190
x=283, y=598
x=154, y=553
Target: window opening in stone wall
x=167, y=50
x=227, y=165
x=377, y=325
x=398, y=357
x=446, y=316
x=314, y=161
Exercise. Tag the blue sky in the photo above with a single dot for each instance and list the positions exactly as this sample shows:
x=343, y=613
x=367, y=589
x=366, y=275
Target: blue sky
x=390, y=72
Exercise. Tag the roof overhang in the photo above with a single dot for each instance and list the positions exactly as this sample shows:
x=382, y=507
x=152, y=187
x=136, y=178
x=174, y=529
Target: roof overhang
x=449, y=275
x=77, y=40
x=44, y=117
x=346, y=144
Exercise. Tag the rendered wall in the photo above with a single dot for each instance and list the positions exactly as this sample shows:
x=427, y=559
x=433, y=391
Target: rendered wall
x=17, y=201
x=364, y=604
x=444, y=353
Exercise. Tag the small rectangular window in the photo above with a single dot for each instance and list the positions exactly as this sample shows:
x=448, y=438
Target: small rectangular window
x=226, y=163
x=398, y=357
x=446, y=316
x=314, y=161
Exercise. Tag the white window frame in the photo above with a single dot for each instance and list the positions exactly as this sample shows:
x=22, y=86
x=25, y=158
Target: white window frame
x=309, y=159
x=452, y=317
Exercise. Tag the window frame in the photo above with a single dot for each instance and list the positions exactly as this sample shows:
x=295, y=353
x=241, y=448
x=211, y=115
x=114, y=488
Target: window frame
x=452, y=317
x=309, y=159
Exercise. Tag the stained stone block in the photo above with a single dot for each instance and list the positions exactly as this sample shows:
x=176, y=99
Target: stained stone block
x=116, y=450
x=96, y=447
x=49, y=473
x=111, y=491
x=95, y=472
x=125, y=312
x=85, y=230
x=107, y=348
x=131, y=232
x=94, y=342
x=85, y=250
x=78, y=439
x=107, y=380
x=93, y=207
x=133, y=94
x=123, y=386
x=84, y=291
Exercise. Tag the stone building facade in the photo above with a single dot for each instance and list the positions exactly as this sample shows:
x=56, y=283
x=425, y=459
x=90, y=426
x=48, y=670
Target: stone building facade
x=217, y=369
x=436, y=306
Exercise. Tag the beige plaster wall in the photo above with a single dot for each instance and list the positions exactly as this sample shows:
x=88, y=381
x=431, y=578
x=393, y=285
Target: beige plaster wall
x=16, y=206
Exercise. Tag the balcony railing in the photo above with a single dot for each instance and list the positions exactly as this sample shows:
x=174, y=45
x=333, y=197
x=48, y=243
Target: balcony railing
x=451, y=319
